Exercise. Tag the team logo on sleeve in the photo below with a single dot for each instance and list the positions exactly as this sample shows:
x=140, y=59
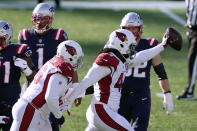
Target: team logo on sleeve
x=121, y=36
x=71, y=50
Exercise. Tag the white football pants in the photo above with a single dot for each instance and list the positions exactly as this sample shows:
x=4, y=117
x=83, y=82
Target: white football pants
x=27, y=118
x=101, y=118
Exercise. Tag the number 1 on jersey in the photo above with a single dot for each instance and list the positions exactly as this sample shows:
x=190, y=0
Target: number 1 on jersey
x=7, y=71
x=40, y=52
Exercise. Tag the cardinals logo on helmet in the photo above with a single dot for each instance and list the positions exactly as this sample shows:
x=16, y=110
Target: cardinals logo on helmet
x=121, y=36
x=71, y=50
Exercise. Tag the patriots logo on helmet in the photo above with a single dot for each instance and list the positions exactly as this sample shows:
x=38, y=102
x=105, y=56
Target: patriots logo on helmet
x=51, y=10
x=71, y=50
x=121, y=36
x=6, y=27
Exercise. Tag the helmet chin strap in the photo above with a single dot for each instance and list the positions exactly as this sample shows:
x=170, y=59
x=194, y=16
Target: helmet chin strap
x=42, y=31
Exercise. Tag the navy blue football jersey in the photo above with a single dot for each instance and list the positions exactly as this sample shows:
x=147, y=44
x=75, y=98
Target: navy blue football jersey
x=9, y=73
x=43, y=47
x=138, y=78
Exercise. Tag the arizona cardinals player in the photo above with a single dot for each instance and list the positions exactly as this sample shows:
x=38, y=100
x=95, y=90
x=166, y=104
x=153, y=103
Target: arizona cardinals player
x=107, y=75
x=135, y=103
x=12, y=63
x=32, y=110
x=43, y=40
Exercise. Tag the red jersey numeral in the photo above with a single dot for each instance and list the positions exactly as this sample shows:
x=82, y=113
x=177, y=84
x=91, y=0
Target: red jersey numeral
x=119, y=82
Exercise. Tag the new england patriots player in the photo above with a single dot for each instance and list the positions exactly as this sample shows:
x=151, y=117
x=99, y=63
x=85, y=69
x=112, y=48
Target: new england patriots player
x=50, y=84
x=107, y=75
x=43, y=40
x=14, y=59
x=135, y=101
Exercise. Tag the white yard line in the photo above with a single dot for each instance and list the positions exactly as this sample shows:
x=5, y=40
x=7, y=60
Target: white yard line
x=173, y=16
x=101, y=5
x=126, y=5
x=164, y=6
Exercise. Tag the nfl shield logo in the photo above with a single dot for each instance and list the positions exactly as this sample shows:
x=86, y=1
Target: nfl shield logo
x=40, y=40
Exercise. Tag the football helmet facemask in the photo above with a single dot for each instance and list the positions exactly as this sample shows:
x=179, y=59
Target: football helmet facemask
x=124, y=41
x=42, y=17
x=132, y=20
x=71, y=52
x=6, y=34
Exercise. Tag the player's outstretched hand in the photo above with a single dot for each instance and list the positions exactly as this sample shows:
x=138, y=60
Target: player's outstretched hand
x=61, y=121
x=173, y=38
x=168, y=103
x=23, y=66
x=4, y=119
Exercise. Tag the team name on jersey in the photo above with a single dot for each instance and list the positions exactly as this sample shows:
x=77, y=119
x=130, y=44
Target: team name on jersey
x=40, y=45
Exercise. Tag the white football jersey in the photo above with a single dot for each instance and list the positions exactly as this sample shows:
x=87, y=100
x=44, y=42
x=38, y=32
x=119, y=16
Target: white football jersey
x=41, y=87
x=107, y=90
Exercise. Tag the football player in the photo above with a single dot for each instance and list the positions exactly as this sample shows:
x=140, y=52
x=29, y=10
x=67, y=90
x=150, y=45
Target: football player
x=43, y=40
x=14, y=59
x=135, y=103
x=49, y=85
x=107, y=75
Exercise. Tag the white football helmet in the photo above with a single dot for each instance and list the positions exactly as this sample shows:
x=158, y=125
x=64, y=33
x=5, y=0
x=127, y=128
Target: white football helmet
x=6, y=34
x=71, y=52
x=133, y=22
x=42, y=17
x=131, y=19
x=122, y=40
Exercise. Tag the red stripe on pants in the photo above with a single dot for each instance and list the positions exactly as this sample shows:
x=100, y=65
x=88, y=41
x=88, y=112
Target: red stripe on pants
x=27, y=117
x=107, y=119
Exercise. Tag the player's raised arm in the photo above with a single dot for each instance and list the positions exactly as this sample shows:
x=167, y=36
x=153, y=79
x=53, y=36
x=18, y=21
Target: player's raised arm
x=171, y=37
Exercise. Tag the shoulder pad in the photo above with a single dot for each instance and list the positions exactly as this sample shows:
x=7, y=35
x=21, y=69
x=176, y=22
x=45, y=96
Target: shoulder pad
x=58, y=34
x=23, y=34
x=66, y=68
x=23, y=49
x=107, y=59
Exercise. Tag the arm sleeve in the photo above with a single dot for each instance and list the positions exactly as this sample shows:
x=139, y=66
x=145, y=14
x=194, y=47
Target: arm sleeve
x=64, y=36
x=53, y=92
x=94, y=74
x=20, y=41
x=146, y=55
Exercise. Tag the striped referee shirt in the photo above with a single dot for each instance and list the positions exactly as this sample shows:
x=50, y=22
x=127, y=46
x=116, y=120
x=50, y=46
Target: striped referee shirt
x=191, y=12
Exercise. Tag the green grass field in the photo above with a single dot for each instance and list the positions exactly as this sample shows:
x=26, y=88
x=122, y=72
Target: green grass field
x=91, y=29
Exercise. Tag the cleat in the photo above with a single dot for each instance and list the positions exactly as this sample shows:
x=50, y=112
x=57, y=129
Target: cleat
x=186, y=96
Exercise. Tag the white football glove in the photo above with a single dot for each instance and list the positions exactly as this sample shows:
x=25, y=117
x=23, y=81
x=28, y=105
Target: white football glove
x=165, y=40
x=168, y=103
x=4, y=119
x=65, y=104
x=23, y=66
x=65, y=107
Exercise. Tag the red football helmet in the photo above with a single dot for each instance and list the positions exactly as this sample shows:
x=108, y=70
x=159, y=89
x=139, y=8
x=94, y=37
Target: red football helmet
x=42, y=17
x=6, y=34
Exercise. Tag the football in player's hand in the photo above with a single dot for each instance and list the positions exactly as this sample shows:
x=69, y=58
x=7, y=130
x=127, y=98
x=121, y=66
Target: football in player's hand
x=175, y=38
